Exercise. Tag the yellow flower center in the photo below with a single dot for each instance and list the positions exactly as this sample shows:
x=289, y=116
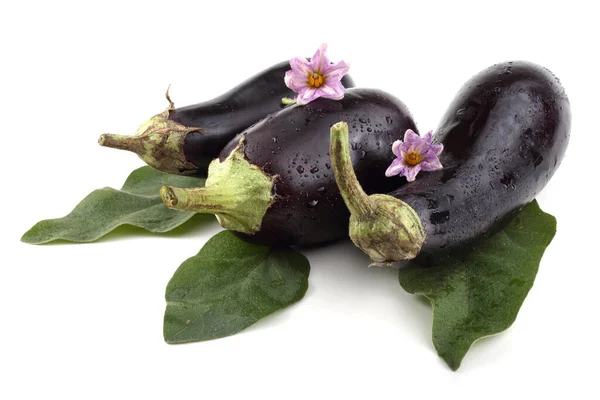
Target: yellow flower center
x=315, y=80
x=412, y=158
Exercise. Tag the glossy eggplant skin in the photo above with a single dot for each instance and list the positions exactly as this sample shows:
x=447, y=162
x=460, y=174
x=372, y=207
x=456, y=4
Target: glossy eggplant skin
x=224, y=117
x=294, y=144
x=504, y=136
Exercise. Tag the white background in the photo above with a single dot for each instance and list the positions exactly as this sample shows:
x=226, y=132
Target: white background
x=85, y=321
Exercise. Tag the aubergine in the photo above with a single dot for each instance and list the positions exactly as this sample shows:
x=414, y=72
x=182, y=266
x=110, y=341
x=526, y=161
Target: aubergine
x=185, y=140
x=273, y=184
x=504, y=136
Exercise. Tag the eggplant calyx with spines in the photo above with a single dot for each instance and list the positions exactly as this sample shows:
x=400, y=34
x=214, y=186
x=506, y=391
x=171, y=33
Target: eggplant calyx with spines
x=158, y=141
x=237, y=192
x=387, y=229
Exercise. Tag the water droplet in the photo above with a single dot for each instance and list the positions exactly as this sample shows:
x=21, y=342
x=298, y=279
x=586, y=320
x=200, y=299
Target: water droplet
x=321, y=189
x=354, y=146
x=508, y=181
x=389, y=120
x=369, y=130
x=314, y=170
x=300, y=169
x=313, y=203
x=328, y=165
x=274, y=140
x=297, y=129
x=431, y=204
x=363, y=154
x=362, y=120
x=439, y=217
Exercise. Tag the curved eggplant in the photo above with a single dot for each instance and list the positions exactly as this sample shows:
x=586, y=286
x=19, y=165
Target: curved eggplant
x=504, y=136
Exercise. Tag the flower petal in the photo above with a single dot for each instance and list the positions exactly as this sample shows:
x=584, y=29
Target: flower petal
x=300, y=66
x=411, y=138
x=404, y=149
x=395, y=168
x=319, y=59
x=421, y=149
x=432, y=165
x=335, y=70
x=428, y=137
x=332, y=91
x=297, y=85
x=397, y=148
x=431, y=162
x=436, y=149
x=411, y=172
x=307, y=96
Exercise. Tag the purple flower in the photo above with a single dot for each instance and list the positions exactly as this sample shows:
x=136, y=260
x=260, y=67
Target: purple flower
x=414, y=154
x=316, y=78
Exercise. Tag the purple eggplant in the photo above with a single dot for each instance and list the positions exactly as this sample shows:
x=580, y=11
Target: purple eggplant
x=504, y=136
x=274, y=185
x=185, y=140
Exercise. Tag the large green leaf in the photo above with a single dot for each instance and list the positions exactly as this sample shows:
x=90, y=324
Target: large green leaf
x=138, y=204
x=482, y=294
x=228, y=286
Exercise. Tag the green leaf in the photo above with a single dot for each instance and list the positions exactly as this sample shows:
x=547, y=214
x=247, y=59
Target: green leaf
x=482, y=294
x=138, y=204
x=228, y=286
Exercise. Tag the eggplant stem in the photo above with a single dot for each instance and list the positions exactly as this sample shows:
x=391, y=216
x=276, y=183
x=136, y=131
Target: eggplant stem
x=355, y=197
x=199, y=200
x=121, y=142
x=236, y=192
x=385, y=228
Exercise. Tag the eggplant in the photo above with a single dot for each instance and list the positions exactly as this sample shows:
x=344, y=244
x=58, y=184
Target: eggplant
x=185, y=140
x=273, y=184
x=504, y=136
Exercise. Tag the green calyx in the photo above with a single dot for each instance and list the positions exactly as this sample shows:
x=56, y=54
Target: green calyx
x=237, y=192
x=385, y=228
x=158, y=141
